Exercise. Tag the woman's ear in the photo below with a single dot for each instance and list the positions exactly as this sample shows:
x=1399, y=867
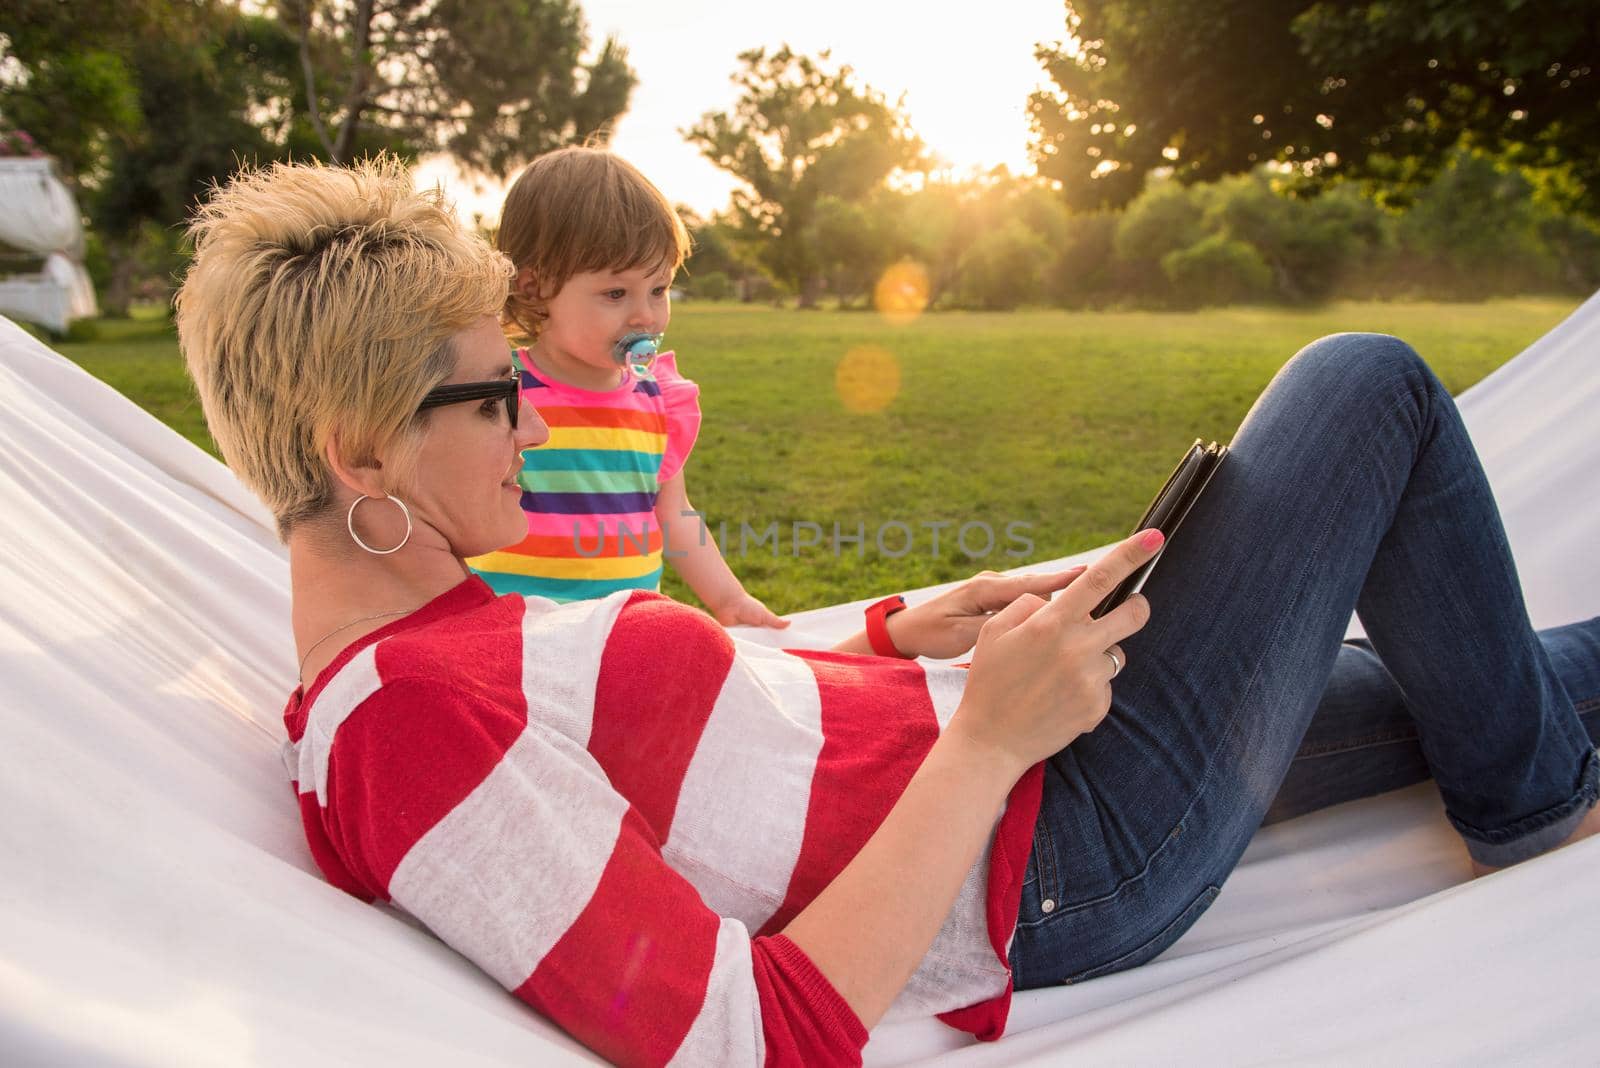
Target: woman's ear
x=362, y=478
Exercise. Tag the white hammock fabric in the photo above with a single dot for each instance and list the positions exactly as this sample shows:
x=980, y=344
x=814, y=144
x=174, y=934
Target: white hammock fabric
x=160, y=906
x=37, y=212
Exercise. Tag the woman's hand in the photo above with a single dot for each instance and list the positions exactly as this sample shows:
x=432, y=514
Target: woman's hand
x=1040, y=675
x=948, y=625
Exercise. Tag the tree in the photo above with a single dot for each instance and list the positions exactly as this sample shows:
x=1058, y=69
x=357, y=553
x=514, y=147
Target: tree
x=719, y=250
x=801, y=130
x=1083, y=273
x=203, y=98
x=1165, y=218
x=1308, y=244
x=937, y=226
x=185, y=93
x=1003, y=267
x=492, y=82
x=855, y=242
x=70, y=86
x=145, y=103
x=1378, y=90
x=1477, y=226
x=1216, y=270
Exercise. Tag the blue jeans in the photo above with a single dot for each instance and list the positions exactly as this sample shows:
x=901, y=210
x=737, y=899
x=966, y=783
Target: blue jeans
x=1352, y=486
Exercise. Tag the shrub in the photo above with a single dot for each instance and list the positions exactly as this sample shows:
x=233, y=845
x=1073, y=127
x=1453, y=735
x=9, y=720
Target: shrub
x=713, y=285
x=82, y=330
x=1216, y=270
x=1164, y=218
x=1476, y=223
x=1083, y=273
x=1575, y=244
x=1002, y=269
x=1307, y=243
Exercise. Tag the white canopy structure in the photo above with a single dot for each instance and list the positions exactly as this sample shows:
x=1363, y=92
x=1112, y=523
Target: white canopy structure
x=160, y=906
x=39, y=218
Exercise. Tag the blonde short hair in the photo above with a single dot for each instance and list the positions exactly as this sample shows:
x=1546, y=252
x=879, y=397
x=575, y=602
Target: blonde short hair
x=324, y=297
x=582, y=209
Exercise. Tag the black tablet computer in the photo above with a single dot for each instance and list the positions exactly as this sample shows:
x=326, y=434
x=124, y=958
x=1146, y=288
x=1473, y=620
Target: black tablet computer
x=1183, y=488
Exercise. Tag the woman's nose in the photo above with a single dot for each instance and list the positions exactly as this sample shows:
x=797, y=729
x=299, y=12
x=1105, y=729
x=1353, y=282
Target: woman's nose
x=532, y=431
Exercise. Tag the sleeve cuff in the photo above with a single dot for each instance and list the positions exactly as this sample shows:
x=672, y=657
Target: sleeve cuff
x=836, y=1024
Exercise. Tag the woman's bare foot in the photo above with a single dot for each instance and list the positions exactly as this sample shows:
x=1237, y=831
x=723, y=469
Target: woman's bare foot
x=1589, y=825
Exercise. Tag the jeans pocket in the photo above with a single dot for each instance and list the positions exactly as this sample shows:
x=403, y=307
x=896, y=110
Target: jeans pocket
x=1156, y=944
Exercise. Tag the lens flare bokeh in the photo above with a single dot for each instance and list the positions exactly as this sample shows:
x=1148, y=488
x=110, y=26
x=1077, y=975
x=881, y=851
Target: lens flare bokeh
x=867, y=379
x=902, y=292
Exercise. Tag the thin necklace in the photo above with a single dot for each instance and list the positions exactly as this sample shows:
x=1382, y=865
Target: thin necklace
x=347, y=626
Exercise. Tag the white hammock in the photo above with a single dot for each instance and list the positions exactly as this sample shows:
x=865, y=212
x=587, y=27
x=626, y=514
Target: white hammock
x=158, y=904
x=39, y=216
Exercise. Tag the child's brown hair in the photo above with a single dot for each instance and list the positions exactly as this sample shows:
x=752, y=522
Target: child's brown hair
x=581, y=209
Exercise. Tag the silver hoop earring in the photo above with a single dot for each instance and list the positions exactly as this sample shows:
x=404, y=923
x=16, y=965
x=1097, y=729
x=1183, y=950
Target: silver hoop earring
x=350, y=524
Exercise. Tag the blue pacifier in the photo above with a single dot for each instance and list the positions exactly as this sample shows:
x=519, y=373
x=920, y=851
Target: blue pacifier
x=637, y=351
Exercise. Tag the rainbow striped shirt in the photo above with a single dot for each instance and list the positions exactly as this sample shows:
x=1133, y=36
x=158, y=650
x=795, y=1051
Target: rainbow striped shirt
x=590, y=491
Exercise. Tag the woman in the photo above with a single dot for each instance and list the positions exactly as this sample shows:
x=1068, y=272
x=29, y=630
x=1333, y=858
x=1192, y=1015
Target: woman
x=676, y=845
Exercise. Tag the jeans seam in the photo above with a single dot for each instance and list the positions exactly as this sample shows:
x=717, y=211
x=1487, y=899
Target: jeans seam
x=1372, y=741
x=1048, y=882
x=1202, y=901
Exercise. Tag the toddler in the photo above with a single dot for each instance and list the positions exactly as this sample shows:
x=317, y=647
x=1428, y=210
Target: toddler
x=596, y=246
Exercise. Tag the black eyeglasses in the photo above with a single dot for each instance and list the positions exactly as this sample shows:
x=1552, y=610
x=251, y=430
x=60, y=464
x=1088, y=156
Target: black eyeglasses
x=509, y=389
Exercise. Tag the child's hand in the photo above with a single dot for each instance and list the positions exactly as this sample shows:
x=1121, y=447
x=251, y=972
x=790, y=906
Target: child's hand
x=745, y=610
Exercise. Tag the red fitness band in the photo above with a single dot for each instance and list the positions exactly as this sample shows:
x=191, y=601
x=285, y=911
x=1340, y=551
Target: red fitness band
x=878, y=626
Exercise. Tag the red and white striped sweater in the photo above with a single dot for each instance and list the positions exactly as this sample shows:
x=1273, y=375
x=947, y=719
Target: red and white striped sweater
x=613, y=808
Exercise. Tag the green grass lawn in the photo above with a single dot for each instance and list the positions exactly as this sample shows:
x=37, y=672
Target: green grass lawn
x=1062, y=422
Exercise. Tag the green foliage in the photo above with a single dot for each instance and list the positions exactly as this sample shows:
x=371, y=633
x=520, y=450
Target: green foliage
x=1216, y=270
x=493, y=82
x=72, y=88
x=713, y=285
x=1110, y=399
x=991, y=242
x=1165, y=218
x=712, y=245
x=1083, y=274
x=1003, y=268
x=799, y=131
x=1574, y=243
x=936, y=225
x=146, y=103
x=854, y=243
x=197, y=102
x=1042, y=213
x=176, y=96
x=83, y=331
x=1307, y=244
x=721, y=256
x=1481, y=227
x=1382, y=90
x=1478, y=227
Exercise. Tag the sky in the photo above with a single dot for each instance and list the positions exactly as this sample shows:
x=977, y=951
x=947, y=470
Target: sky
x=966, y=72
